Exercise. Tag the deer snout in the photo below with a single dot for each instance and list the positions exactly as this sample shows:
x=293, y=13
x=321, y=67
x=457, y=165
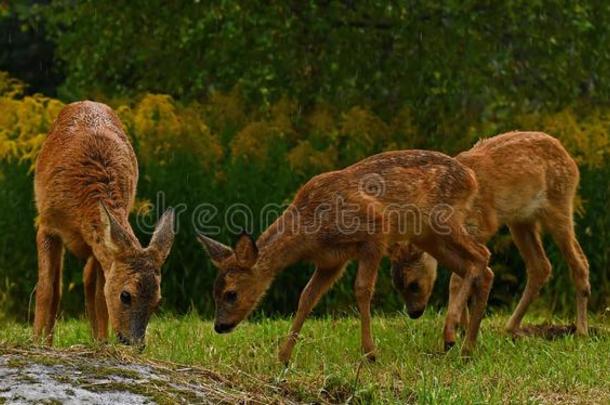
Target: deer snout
x=134, y=336
x=415, y=314
x=224, y=327
x=137, y=342
x=122, y=339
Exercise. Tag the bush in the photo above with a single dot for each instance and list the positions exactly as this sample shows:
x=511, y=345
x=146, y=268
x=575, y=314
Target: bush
x=221, y=153
x=437, y=57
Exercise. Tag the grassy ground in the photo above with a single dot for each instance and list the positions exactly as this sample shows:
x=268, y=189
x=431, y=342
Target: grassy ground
x=327, y=366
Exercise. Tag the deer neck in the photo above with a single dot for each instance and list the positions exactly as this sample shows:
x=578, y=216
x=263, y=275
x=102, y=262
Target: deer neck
x=280, y=246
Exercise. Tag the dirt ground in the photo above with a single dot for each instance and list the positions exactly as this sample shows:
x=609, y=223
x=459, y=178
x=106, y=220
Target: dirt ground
x=81, y=376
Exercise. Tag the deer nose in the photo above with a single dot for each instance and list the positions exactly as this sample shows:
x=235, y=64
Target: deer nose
x=415, y=314
x=223, y=327
x=122, y=339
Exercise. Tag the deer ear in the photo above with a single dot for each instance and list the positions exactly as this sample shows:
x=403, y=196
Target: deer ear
x=394, y=251
x=404, y=251
x=163, y=237
x=246, y=251
x=216, y=250
x=114, y=236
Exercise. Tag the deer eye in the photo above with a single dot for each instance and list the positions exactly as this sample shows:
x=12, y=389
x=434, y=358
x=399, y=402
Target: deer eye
x=413, y=287
x=230, y=297
x=125, y=298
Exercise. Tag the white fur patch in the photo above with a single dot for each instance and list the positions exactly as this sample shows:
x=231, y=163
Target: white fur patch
x=534, y=205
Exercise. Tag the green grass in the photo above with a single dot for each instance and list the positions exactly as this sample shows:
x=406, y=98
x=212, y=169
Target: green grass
x=327, y=365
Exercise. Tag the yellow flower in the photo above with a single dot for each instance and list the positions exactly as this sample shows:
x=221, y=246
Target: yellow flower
x=10, y=87
x=304, y=159
x=322, y=120
x=24, y=122
x=282, y=115
x=586, y=137
x=163, y=128
x=253, y=141
x=226, y=110
x=142, y=207
x=156, y=126
x=362, y=131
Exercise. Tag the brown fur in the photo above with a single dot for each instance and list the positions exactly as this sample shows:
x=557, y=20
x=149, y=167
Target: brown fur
x=364, y=194
x=85, y=186
x=527, y=180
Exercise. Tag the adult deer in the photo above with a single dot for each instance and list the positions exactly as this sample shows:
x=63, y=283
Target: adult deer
x=356, y=213
x=528, y=181
x=85, y=185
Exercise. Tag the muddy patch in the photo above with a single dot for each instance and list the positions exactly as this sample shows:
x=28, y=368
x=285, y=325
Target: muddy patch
x=34, y=376
x=550, y=331
x=25, y=382
x=547, y=331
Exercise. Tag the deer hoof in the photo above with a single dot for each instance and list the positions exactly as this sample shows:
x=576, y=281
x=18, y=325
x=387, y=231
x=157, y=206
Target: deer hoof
x=371, y=357
x=466, y=353
x=582, y=331
x=285, y=360
x=284, y=356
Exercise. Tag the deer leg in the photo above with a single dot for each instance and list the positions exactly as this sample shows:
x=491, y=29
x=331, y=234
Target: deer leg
x=89, y=278
x=561, y=228
x=95, y=300
x=468, y=259
x=482, y=288
x=579, y=266
x=101, y=311
x=527, y=239
x=318, y=285
x=455, y=310
x=48, y=288
x=465, y=319
x=364, y=289
x=455, y=283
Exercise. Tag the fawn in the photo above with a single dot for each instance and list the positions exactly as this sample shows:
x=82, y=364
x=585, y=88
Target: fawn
x=527, y=180
x=356, y=213
x=85, y=185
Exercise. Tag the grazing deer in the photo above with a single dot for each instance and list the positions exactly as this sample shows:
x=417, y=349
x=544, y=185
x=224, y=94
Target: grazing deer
x=85, y=186
x=526, y=180
x=356, y=213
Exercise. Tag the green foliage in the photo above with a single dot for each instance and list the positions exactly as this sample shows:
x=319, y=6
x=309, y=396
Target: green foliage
x=220, y=153
x=437, y=57
x=25, y=50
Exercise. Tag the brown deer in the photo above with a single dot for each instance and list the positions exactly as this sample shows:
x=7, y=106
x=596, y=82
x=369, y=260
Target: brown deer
x=356, y=213
x=85, y=185
x=528, y=181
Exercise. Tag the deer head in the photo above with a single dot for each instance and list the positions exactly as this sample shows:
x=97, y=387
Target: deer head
x=413, y=275
x=239, y=284
x=132, y=289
